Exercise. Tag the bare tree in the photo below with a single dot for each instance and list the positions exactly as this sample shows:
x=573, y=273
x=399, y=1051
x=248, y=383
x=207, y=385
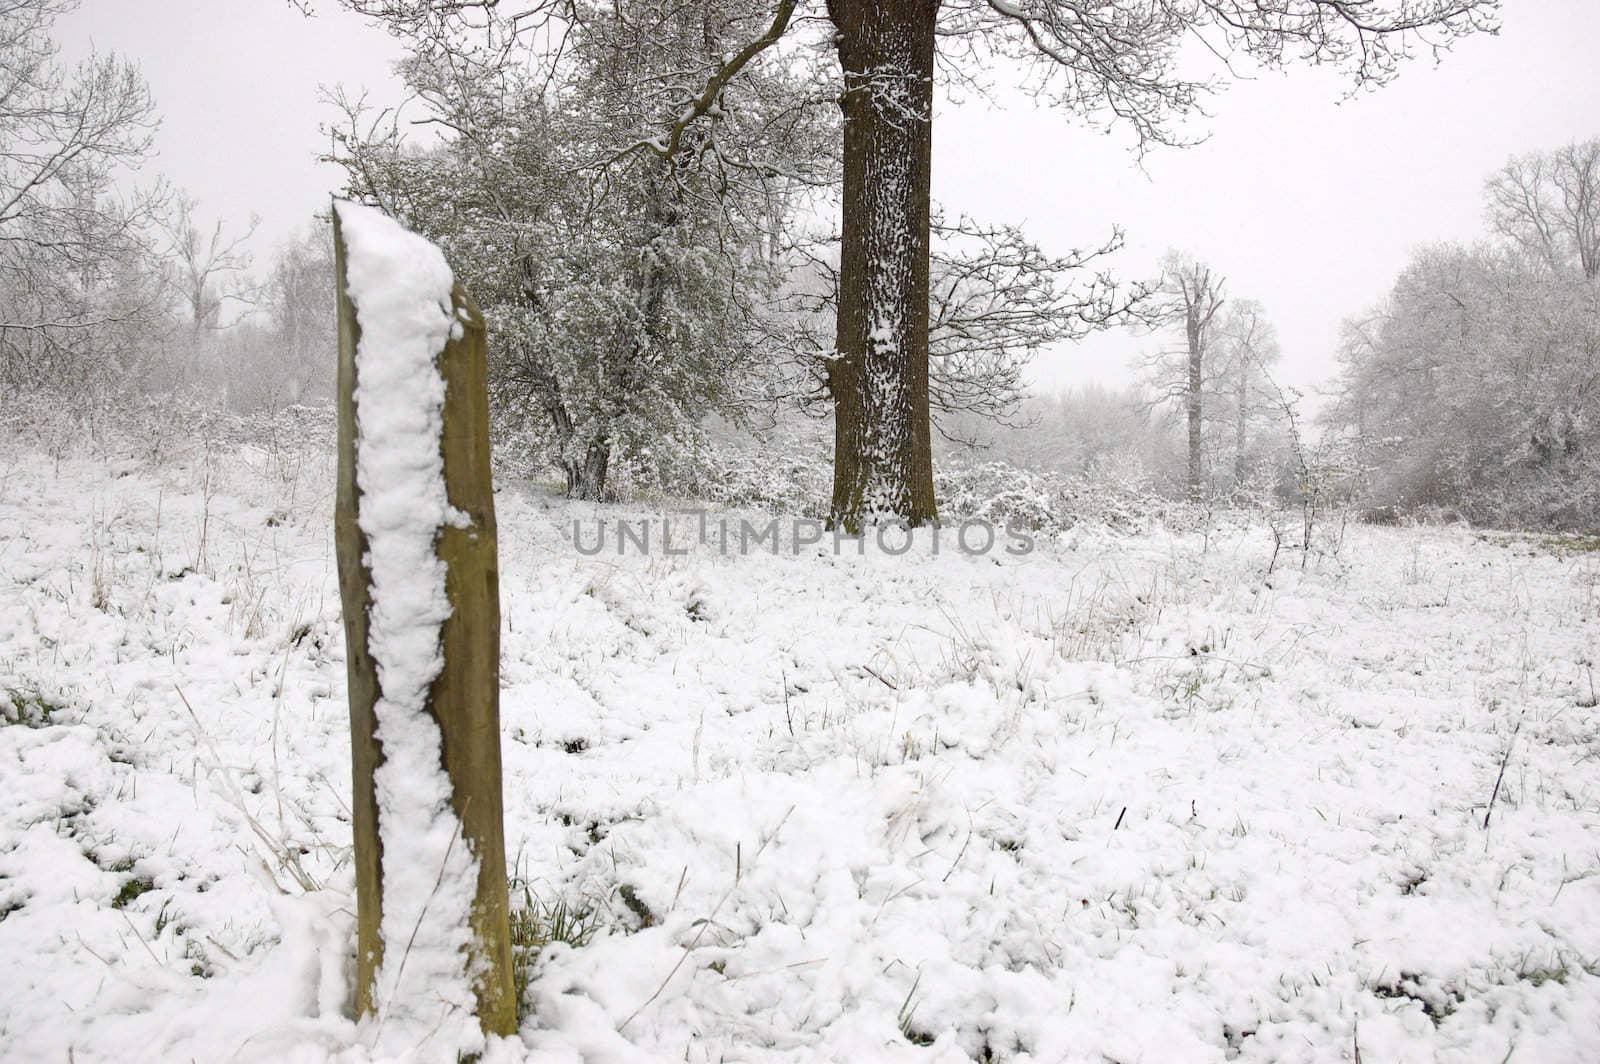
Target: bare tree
x=299, y=303
x=73, y=255
x=210, y=267
x=1247, y=345
x=1548, y=204
x=997, y=299
x=1192, y=294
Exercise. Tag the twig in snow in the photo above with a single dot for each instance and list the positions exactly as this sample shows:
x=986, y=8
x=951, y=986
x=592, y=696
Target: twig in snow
x=870, y=671
x=90, y=951
x=1497, y=780
x=963, y=852
x=788, y=714
x=140, y=937
x=682, y=878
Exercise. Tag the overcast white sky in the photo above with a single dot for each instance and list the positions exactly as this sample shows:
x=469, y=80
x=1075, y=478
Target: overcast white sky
x=1305, y=203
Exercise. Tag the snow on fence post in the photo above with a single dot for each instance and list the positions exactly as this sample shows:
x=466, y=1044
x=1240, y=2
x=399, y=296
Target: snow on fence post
x=415, y=537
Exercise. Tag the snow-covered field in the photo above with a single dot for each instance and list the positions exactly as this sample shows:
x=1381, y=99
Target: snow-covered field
x=1121, y=799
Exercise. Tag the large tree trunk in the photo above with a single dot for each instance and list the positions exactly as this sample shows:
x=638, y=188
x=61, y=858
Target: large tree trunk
x=883, y=453
x=586, y=474
x=1192, y=400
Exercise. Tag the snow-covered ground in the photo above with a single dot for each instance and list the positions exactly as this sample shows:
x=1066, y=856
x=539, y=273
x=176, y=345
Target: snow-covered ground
x=1121, y=799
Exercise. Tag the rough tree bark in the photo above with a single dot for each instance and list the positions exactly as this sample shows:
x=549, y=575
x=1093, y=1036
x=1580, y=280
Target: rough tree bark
x=878, y=378
x=464, y=699
x=586, y=474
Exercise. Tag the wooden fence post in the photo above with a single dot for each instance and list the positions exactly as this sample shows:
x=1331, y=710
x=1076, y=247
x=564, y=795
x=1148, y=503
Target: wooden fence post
x=464, y=697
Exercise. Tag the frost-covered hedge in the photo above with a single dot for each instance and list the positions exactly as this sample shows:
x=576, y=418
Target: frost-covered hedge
x=746, y=478
x=800, y=481
x=157, y=429
x=1120, y=499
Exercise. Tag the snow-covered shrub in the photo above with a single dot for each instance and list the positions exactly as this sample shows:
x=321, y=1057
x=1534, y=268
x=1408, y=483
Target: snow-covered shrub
x=1118, y=497
x=790, y=472
x=153, y=431
x=667, y=464
x=1001, y=494
x=798, y=480
x=1478, y=377
x=781, y=480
